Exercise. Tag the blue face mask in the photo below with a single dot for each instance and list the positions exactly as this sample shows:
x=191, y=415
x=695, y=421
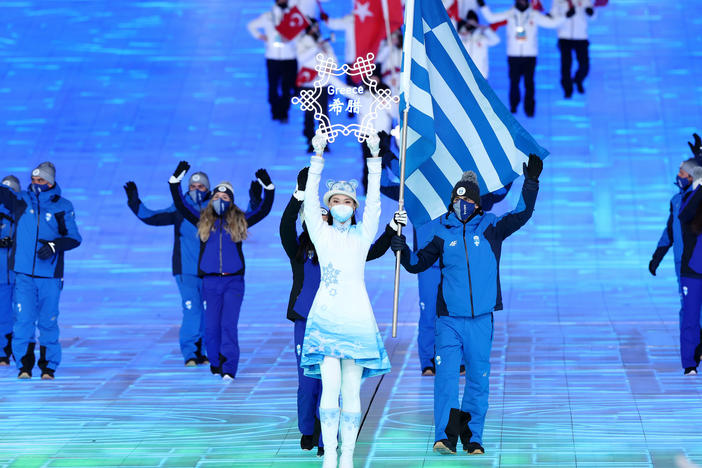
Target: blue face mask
x=220, y=206
x=682, y=182
x=197, y=196
x=463, y=209
x=341, y=213
x=38, y=188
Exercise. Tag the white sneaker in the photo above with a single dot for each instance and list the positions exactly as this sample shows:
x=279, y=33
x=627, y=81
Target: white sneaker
x=226, y=378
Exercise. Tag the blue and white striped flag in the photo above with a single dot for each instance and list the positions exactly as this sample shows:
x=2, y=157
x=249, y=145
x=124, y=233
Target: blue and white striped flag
x=456, y=122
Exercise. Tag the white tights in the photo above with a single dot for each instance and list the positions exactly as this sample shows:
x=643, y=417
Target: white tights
x=341, y=376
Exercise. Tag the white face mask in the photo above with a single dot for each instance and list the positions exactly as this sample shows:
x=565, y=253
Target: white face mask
x=341, y=213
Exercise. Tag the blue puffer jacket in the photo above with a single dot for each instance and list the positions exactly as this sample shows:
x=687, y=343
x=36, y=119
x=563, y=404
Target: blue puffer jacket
x=691, y=262
x=469, y=257
x=7, y=230
x=186, y=246
x=40, y=219
x=220, y=255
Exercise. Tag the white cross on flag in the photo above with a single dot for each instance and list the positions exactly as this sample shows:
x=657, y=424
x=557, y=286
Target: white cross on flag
x=292, y=23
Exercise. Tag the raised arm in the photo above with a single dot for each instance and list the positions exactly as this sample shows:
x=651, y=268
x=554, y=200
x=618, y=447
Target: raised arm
x=512, y=221
x=262, y=210
x=311, y=207
x=288, y=231
x=8, y=198
x=164, y=217
x=490, y=16
x=547, y=21
x=174, y=183
x=371, y=212
x=382, y=243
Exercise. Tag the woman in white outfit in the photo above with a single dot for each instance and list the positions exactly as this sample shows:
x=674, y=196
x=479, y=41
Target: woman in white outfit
x=342, y=343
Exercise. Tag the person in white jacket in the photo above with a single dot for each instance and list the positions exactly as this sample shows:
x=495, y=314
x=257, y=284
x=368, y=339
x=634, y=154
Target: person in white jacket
x=477, y=39
x=390, y=60
x=573, y=37
x=523, y=24
x=281, y=59
x=342, y=343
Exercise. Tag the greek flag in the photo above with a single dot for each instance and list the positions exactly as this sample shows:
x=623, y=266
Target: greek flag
x=455, y=121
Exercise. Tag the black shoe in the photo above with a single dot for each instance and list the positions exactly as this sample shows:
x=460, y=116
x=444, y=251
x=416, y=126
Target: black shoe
x=474, y=448
x=24, y=374
x=4, y=361
x=579, y=86
x=190, y=363
x=47, y=374
x=306, y=442
x=320, y=451
x=568, y=95
x=429, y=371
x=690, y=371
x=444, y=447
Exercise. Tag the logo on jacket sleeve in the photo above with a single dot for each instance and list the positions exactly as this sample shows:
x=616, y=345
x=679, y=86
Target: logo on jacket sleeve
x=438, y=360
x=476, y=240
x=47, y=216
x=453, y=243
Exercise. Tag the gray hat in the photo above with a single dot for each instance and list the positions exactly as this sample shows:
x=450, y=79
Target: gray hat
x=200, y=178
x=12, y=182
x=467, y=187
x=46, y=171
x=689, y=165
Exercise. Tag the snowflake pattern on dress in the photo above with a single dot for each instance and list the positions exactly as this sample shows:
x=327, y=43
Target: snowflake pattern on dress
x=330, y=275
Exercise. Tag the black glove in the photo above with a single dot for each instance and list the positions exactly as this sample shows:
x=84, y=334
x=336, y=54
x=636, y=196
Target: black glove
x=180, y=171
x=656, y=259
x=398, y=243
x=570, y=12
x=263, y=176
x=590, y=11
x=481, y=3
x=696, y=147
x=302, y=179
x=132, y=193
x=47, y=250
x=255, y=191
x=5, y=242
x=534, y=168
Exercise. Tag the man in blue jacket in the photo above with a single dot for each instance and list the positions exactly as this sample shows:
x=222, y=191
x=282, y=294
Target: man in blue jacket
x=468, y=247
x=46, y=228
x=186, y=249
x=7, y=279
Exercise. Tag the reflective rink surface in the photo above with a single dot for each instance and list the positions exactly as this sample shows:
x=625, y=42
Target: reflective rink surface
x=585, y=362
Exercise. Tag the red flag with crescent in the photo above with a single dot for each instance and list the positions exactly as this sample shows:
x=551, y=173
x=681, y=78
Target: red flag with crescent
x=305, y=75
x=369, y=23
x=453, y=11
x=292, y=23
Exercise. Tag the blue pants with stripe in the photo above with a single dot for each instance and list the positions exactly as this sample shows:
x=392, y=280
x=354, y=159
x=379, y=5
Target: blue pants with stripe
x=690, y=322
x=461, y=339
x=36, y=303
x=309, y=390
x=192, y=327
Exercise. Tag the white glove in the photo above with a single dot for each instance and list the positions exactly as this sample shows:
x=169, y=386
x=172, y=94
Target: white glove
x=373, y=143
x=397, y=134
x=319, y=142
x=696, y=177
x=399, y=218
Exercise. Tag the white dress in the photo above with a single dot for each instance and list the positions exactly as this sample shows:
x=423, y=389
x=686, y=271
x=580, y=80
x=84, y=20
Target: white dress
x=341, y=322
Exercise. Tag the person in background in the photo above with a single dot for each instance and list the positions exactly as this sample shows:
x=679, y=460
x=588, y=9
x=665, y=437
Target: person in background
x=477, y=40
x=573, y=37
x=7, y=277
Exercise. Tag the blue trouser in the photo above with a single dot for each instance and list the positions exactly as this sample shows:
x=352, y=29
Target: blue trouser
x=193, y=326
x=7, y=318
x=223, y=295
x=309, y=389
x=462, y=339
x=690, y=323
x=36, y=302
x=428, y=281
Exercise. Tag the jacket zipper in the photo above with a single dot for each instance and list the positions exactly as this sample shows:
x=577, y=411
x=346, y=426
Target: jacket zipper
x=36, y=239
x=470, y=282
x=220, y=249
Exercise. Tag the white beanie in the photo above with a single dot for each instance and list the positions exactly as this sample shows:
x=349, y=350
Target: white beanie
x=341, y=187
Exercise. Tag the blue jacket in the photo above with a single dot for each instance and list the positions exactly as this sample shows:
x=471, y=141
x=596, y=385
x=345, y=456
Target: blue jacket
x=7, y=231
x=469, y=257
x=40, y=219
x=672, y=234
x=220, y=255
x=691, y=261
x=186, y=246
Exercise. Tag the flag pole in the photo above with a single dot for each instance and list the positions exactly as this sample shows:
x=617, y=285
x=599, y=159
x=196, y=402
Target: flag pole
x=405, y=88
x=386, y=17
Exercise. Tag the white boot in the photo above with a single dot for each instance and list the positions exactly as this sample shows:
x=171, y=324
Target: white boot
x=329, y=420
x=350, y=423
